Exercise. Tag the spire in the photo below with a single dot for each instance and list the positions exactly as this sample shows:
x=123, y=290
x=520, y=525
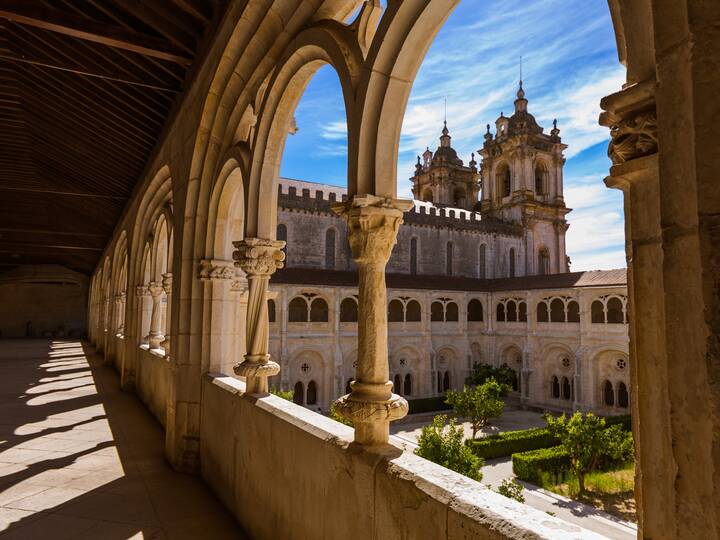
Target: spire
x=521, y=102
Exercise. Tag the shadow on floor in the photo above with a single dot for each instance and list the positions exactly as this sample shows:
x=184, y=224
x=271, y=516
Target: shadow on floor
x=81, y=459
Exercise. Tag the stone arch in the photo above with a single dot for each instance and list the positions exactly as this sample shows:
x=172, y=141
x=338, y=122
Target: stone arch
x=611, y=364
x=306, y=365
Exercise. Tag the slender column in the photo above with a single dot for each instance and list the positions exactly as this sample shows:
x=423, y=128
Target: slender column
x=155, y=337
x=167, y=287
x=373, y=223
x=120, y=316
x=258, y=258
x=142, y=292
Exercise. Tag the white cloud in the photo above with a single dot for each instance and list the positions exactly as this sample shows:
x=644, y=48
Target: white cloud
x=334, y=131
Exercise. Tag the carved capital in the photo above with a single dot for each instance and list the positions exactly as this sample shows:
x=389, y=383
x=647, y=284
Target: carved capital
x=373, y=224
x=155, y=289
x=258, y=256
x=213, y=269
x=167, y=283
x=630, y=114
x=142, y=290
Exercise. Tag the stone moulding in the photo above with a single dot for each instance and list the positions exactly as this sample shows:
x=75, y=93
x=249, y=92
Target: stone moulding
x=211, y=269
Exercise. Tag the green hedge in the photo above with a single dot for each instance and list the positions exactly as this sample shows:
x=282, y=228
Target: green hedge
x=512, y=442
x=423, y=405
x=535, y=465
x=623, y=420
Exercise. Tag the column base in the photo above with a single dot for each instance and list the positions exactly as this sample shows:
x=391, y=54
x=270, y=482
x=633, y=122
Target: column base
x=371, y=419
x=156, y=341
x=256, y=373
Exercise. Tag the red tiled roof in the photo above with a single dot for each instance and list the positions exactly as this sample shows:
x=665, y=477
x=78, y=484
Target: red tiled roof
x=594, y=278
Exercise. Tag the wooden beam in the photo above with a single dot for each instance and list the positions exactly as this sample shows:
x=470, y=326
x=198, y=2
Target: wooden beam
x=67, y=193
x=33, y=13
x=87, y=73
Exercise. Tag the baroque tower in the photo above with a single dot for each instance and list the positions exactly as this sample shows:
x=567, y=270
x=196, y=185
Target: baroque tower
x=522, y=181
x=442, y=178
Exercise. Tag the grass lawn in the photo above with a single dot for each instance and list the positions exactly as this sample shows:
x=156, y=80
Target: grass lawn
x=611, y=492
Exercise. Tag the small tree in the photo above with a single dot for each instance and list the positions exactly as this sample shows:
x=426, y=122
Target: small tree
x=483, y=372
x=587, y=442
x=512, y=489
x=288, y=395
x=443, y=444
x=478, y=403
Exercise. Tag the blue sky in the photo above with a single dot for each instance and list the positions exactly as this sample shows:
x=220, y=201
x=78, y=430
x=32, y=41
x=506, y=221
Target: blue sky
x=569, y=63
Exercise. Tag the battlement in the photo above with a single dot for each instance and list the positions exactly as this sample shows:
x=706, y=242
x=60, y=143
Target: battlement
x=422, y=213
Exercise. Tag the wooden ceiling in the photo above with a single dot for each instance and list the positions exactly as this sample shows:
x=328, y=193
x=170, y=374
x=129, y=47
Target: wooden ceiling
x=86, y=87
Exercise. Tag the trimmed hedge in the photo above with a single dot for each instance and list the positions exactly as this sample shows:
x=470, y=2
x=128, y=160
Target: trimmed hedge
x=423, y=405
x=532, y=466
x=512, y=442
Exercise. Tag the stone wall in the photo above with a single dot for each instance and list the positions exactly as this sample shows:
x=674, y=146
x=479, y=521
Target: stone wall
x=288, y=473
x=153, y=382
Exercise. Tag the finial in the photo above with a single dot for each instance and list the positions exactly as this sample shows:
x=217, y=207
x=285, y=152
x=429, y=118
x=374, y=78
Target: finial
x=418, y=160
x=555, y=123
x=488, y=128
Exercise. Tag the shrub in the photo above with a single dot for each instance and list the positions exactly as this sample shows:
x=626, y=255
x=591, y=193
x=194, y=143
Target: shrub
x=431, y=404
x=623, y=420
x=512, y=442
x=337, y=417
x=482, y=372
x=479, y=403
x=511, y=489
x=534, y=466
x=442, y=444
x=282, y=393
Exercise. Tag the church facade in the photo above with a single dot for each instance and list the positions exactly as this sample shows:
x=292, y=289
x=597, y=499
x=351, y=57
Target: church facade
x=479, y=274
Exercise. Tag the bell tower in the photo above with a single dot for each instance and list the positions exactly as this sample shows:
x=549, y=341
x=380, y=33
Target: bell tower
x=522, y=179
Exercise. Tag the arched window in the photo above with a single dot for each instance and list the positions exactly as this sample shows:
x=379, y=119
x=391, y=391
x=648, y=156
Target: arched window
x=511, y=311
x=395, y=311
x=298, y=310
x=439, y=382
x=623, y=396
x=482, y=262
x=451, y=312
x=459, y=198
x=437, y=312
x=413, y=256
x=573, y=311
x=428, y=195
x=542, y=312
x=503, y=180
x=555, y=388
x=614, y=311
x=413, y=311
x=271, y=311
x=597, y=312
x=474, y=310
x=282, y=235
x=514, y=382
x=539, y=180
x=500, y=312
x=446, y=381
x=397, y=384
x=511, y=262
x=330, y=249
x=543, y=262
x=299, y=393
x=566, y=389
x=557, y=310
x=522, y=312
x=608, y=394
x=311, y=398
x=407, y=386
x=449, y=259
x=319, y=310
x=348, y=310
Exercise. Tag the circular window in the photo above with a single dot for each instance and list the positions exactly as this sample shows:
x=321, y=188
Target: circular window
x=305, y=368
x=621, y=363
x=403, y=361
x=354, y=363
x=566, y=362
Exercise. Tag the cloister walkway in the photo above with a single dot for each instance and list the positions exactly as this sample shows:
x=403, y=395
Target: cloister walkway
x=81, y=459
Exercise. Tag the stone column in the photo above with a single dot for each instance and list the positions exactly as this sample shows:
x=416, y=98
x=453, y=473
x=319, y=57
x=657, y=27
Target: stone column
x=238, y=297
x=373, y=224
x=155, y=337
x=258, y=258
x=167, y=287
x=142, y=292
x=120, y=316
x=578, y=380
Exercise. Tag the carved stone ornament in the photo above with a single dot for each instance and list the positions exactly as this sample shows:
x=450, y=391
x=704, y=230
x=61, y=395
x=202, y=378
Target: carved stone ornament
x=142, y=290
x=258, y=256
x=211, y=269
x=155, y=288
x=167, y=282
x=633, y=138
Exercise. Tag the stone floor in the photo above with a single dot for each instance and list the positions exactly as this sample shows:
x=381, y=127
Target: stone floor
x=79, y=459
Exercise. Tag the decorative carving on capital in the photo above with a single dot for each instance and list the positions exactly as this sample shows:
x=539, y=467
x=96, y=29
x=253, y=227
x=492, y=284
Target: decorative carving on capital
x=631, y=116
x=373, y=224
x=167, y=283
x=142, y=290
x=155, y=289
x=212, y=269
x=259, y=256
